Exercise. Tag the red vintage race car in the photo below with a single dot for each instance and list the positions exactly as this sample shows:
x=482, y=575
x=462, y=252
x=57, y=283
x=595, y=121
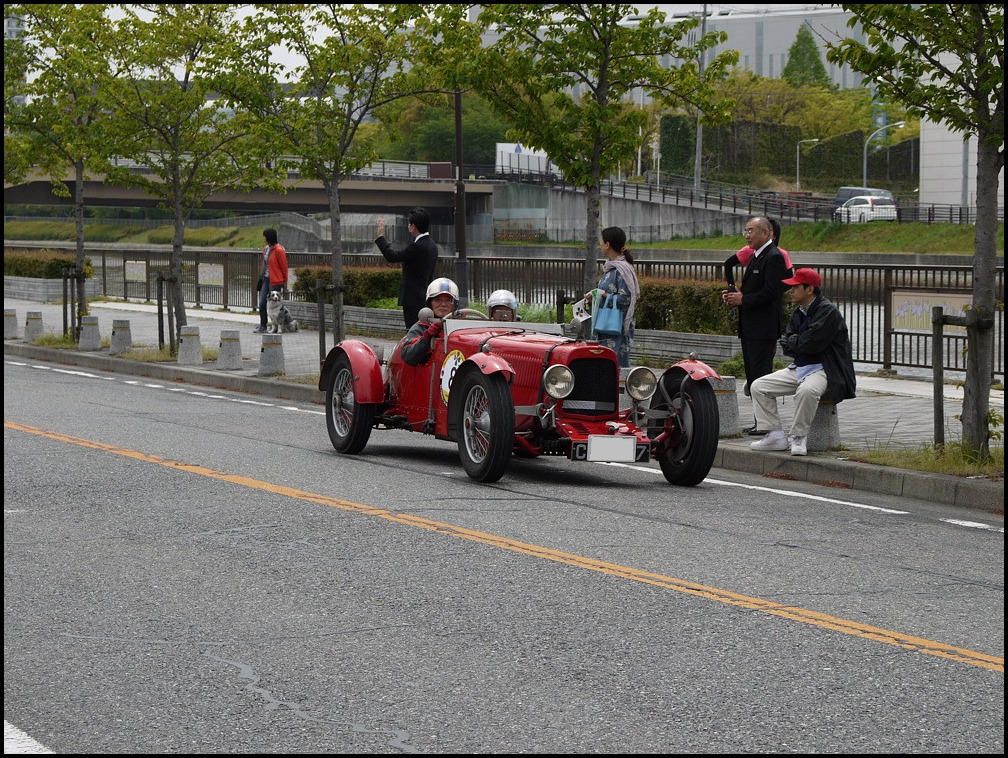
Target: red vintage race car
x=503, y=389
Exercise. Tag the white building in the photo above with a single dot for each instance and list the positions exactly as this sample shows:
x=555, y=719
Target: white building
x=763, y=34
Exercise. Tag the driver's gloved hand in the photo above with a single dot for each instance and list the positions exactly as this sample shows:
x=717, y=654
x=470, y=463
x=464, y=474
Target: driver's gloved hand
x=433, y=330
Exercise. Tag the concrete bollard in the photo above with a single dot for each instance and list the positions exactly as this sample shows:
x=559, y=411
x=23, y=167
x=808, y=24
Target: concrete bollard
x=229, y=356
x=727, y=404
x=824, y=434
x=90, y=338
x=271, y=357
x=33, y=325
x=10, y=329
x=190, y=351
x=122, y=339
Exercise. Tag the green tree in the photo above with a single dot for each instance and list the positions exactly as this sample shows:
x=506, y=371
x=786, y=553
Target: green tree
x=56, y=121
x=348, y=63
x=17, y=62
x=424, y=130
x=168, y=116
x=804, y=64
x=825, y=114
x=565, y=76
x=946, y=62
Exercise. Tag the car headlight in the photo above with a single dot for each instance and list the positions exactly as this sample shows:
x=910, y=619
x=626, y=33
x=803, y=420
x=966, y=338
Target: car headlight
x=558, y=381
x=641, y=383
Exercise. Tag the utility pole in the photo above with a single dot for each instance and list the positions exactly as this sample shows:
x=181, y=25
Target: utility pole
x=699, y=126
x=461, y=263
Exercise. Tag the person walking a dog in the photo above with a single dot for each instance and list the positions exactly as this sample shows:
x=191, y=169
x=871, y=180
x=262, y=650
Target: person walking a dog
x=418, y=259
x=273, y=276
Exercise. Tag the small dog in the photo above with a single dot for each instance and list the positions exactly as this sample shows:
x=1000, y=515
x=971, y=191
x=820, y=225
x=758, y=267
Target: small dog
x=279, y=316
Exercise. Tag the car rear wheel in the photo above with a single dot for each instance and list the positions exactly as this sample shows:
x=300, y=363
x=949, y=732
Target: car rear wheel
x=349, y=422
x=485, y=425
x=687, y=452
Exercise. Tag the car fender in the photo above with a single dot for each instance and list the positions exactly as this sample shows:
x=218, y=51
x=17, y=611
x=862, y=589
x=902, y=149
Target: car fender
x=696, y=369
x=489, y=363
x=369, y=386
x=677, y=374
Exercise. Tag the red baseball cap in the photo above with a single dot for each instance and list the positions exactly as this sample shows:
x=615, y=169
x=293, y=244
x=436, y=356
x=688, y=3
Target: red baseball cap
x=804, y=276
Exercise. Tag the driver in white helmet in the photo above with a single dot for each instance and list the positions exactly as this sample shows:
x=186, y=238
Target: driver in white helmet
x=442, y=299
x=503, y=306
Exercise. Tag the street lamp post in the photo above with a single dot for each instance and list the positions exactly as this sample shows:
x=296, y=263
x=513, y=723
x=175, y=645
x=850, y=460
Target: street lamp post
x=461, y=262
x=864, y=156
x=797, y=162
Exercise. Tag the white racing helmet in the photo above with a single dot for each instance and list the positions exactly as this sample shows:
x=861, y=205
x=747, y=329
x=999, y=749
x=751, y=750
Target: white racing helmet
x=440, y=287
x=502, y=297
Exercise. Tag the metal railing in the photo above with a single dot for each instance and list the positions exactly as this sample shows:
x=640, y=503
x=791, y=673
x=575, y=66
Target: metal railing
x=226, y=278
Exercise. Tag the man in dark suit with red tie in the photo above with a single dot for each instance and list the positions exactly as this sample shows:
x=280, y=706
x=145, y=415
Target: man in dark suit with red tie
x=760, y=302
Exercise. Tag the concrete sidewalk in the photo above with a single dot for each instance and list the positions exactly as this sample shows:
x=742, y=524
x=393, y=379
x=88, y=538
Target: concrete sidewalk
x=887, y=413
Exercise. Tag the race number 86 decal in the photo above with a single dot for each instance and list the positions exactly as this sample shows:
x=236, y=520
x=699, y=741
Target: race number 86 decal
x=451, y=363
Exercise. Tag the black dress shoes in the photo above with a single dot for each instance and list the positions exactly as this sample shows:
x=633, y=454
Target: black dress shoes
x=752, y=431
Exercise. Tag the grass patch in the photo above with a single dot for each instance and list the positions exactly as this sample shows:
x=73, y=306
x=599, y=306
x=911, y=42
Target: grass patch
x=309, y=379
x=951, y=459
x=149, y=354
x=880, y=237
x=59, y=341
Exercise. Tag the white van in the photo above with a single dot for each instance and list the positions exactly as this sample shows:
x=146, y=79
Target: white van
x=846, y=193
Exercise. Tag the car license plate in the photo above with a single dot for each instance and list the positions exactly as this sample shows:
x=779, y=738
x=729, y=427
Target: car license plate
x=603, y=447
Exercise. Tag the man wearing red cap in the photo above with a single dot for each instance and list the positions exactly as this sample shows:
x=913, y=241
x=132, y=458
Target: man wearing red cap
x=817, y=341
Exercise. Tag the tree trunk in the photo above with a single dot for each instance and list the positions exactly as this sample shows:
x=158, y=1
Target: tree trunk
x=332, y=190
x=175, y=300
x=980, y=327
x=592, y=211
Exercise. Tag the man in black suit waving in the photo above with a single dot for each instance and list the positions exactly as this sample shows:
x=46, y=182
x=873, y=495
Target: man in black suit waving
x=760, y=302
x=418, y=259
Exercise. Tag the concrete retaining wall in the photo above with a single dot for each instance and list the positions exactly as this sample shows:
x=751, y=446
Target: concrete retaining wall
x=42, y=290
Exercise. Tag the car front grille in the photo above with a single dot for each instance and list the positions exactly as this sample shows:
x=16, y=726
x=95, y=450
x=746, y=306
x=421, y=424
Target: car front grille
x=596, y=387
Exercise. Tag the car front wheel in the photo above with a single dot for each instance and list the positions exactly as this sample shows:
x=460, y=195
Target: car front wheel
x=687, y=451
x=349, y=422
x=485, y=425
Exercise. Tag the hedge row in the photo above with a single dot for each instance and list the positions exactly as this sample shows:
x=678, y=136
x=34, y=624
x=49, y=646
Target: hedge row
x=686, y=305
x=362, y=285
x=42, y=264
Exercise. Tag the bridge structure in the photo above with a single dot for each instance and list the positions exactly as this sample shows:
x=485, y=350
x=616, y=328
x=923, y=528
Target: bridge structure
x=365, y=192
x=393, y=187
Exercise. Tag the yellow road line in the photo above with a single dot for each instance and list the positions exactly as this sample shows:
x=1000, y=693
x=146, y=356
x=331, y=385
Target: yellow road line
x=792, y=613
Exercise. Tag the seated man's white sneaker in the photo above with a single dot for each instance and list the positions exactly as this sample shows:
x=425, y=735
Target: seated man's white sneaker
x=798, y=446
x=775, y=440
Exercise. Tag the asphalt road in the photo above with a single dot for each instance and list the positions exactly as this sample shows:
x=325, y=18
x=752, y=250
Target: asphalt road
x=189, y=570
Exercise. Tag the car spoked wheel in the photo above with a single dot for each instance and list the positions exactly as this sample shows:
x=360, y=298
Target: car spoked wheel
x=349, y=422
x=476, y=422
x=691, y=431
x=485, y=425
